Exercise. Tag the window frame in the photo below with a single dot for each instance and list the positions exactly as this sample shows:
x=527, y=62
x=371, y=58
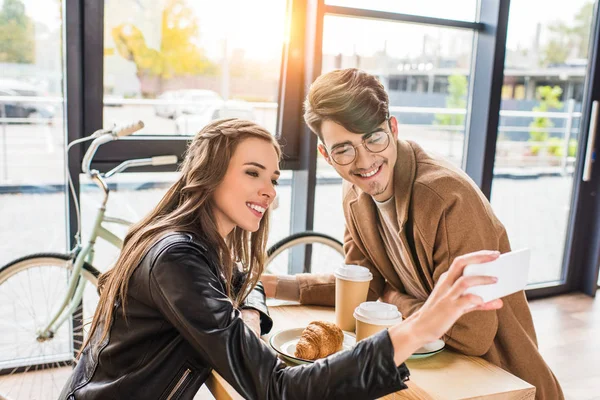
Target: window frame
x=300, y=65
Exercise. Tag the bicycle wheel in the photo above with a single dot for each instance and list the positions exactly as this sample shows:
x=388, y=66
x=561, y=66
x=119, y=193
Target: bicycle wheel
x=327, y=253
x=31, y=289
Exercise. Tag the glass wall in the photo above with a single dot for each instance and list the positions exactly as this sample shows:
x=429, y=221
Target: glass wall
x=32, y=132
x=545, y=71
x=32, y=176
x=178, y=64
x=132, y=196
x=425, y=71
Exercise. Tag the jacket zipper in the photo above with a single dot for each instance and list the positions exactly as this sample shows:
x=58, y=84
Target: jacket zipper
x=179, y=383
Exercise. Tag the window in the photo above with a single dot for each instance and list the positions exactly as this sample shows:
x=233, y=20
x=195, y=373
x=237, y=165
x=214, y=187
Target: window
x=32, y=130
x=406, y=68
x=178, y=64
x=546, y=53
x=417, y=74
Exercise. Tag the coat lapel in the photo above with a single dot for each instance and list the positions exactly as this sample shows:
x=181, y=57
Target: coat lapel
x=365, y=219
x=404, y=177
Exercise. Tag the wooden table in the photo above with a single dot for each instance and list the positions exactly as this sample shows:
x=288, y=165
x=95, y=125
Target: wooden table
x=447, y=375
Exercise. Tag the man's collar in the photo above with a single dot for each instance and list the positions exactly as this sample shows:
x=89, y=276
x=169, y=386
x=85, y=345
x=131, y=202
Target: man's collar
x=404, y=176
x=402, y=181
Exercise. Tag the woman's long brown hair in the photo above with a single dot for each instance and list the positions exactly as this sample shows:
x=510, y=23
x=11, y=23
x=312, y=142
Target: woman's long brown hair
x=187, y=207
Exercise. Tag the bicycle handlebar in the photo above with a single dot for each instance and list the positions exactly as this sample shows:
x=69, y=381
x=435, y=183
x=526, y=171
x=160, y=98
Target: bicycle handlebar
x=164, y=160
x=126, y=130
x=142, y=162
x=112, y=134
x=89, y=154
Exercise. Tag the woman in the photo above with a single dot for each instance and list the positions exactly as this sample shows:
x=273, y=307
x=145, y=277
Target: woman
x=174, y=306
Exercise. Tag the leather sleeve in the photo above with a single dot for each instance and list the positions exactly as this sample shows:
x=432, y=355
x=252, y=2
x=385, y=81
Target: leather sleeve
x=256, y=300
x=187, y=290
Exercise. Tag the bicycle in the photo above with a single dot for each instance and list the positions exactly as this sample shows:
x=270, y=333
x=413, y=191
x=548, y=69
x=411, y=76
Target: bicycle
x=323, y=248
x=48, y=292
x=46, y=343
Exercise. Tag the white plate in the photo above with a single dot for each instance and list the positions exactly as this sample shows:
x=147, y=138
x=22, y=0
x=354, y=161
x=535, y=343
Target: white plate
x=284, y=343
x=429, y=349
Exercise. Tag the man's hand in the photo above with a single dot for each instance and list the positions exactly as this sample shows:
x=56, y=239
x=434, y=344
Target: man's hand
x=252, y=319
x=269, y=284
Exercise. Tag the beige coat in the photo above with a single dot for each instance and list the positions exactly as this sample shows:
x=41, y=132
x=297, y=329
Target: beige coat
x=441, y=214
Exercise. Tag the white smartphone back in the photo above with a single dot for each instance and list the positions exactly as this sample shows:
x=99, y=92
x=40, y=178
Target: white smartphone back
x=511, y=269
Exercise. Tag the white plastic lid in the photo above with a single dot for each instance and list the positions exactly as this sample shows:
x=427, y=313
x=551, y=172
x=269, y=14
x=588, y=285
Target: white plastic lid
x=378, y=313
x=354, y=273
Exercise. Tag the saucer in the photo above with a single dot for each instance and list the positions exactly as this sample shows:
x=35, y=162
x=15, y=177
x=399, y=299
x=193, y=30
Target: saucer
x=428, y=350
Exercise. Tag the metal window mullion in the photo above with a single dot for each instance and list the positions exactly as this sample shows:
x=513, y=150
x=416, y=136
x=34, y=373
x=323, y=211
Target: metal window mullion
x=399, y=17
x=93, y=65
x=582, y=253
x=487, y=74
x=303, y=56
x=74, y=115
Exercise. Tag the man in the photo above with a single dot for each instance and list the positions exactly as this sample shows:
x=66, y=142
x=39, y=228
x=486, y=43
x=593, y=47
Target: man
x=408, y=215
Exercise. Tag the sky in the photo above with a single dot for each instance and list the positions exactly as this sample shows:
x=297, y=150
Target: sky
x=258, y=25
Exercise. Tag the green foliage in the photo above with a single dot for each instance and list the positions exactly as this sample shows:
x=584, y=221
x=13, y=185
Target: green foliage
x=178, y=55
x=556, y=51
x=572, y=147
x=569, y=39
x=549, y=99
x=17, y=41
x=556, y=147
x=457, y=92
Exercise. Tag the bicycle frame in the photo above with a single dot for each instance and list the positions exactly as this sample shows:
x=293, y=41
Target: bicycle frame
x=74, y=293
x=80, y=255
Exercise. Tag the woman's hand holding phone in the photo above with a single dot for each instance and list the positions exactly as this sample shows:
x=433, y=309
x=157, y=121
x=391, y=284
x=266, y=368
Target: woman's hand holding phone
x=445, y=305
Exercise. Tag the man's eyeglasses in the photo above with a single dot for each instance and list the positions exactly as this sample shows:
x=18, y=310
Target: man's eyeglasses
x=375, y=142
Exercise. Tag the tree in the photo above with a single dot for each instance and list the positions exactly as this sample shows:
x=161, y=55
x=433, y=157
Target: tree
x=583, y=23
x=569, y=40
x=457, y=93
x=456, y=99
x=178, y=54
x=549, y=98
x=17, y=42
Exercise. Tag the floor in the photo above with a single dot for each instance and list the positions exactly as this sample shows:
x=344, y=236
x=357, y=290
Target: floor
x=568, y=329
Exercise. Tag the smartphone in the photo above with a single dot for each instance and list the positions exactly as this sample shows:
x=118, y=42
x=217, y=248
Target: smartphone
x=511, y=269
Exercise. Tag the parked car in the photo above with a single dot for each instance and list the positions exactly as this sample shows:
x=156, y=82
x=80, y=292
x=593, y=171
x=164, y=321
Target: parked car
x=21, y=109
x=185, y=101
x=166, y=109
x=113, y=100
x=191, y=124
x=199, y=101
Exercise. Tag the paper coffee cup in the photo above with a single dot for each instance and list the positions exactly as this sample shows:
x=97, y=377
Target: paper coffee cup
x=374, y=316
x=351, y=288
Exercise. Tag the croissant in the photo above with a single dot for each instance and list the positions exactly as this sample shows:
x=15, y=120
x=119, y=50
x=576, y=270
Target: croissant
x=319, y=339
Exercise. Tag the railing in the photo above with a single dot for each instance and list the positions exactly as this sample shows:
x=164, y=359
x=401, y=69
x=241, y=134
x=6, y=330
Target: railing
x=509, y=153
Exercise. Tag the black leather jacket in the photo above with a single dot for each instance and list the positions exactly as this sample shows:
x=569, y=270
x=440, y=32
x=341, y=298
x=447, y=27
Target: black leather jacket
x=181, y=325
